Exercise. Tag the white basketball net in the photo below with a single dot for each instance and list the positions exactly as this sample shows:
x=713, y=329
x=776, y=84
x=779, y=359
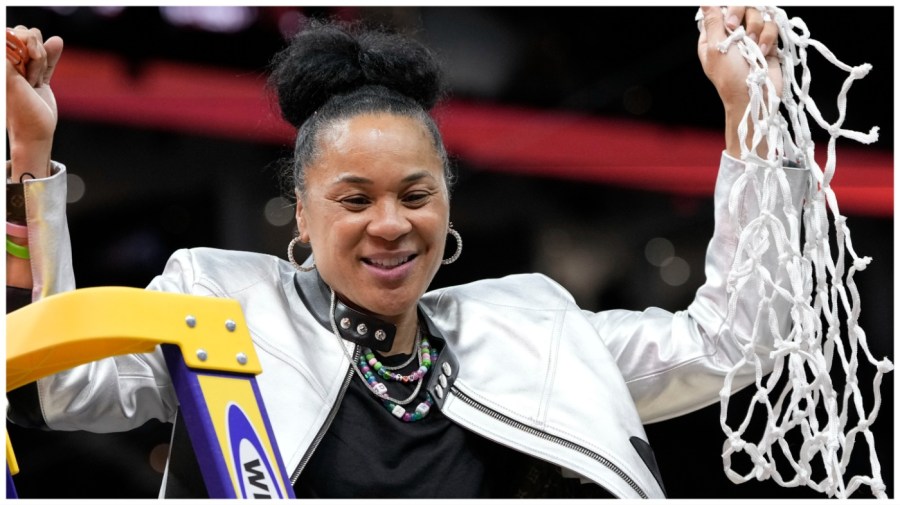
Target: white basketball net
x=800, y=394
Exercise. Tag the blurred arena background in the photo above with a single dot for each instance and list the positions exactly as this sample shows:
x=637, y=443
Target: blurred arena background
x=586, y=141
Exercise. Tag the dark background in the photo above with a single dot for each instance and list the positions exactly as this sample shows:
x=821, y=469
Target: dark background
x=151, y=191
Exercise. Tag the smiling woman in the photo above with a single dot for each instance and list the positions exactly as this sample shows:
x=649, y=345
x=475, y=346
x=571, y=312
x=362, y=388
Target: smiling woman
x=376, y=212
x=376, y=386
x=371, y=174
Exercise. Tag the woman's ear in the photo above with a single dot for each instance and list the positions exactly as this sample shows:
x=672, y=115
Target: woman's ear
x=300, y=217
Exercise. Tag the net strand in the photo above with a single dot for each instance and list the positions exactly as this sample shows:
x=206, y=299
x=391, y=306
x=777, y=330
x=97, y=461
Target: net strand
x=823, y=299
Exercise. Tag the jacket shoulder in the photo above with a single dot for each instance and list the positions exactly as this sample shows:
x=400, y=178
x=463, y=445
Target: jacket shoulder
x=221, y=272
x=521, y=291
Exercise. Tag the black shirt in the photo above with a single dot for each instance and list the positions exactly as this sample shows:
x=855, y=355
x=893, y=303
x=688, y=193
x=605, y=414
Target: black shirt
x=367, y=452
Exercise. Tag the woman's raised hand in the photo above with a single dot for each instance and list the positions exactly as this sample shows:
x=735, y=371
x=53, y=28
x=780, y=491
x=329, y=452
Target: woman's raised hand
x=728, y=71
x=30, y=105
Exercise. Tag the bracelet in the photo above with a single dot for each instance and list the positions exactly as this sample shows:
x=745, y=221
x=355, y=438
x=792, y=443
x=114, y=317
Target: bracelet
x=19, y=251
x=16, y=230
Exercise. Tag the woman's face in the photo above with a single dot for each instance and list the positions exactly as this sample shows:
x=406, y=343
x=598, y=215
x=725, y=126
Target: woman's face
x=376, y=212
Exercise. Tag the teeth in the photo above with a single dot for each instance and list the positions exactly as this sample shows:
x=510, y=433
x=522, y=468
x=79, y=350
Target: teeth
x=389, y=263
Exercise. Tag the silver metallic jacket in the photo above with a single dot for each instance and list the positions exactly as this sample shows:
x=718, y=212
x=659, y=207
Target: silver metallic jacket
x=525, y=366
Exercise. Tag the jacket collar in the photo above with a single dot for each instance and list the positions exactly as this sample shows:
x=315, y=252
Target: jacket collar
x=316, y=296
x=358, y=327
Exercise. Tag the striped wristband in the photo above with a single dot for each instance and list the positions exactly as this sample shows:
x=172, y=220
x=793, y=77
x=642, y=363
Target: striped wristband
x=16, y=230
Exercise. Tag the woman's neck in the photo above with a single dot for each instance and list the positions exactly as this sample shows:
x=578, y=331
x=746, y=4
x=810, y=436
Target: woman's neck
x=405, y=338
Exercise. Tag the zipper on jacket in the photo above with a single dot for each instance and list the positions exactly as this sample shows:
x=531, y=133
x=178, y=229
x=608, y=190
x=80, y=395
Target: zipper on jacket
x=546, y=436
x=328, y=421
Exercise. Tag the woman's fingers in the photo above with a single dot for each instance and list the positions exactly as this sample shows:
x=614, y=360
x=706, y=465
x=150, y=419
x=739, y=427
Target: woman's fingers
x=757, y=24
x=53, y=47
x=753, y=23
x=16, y=53
x=735, y=16
x=768, y=39
x=713, y=26
x=37, y=54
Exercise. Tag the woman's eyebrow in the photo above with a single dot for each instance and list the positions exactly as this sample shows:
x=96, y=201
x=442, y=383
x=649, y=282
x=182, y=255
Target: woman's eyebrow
x=353, y=179
x=356, y=179
x=417, y=176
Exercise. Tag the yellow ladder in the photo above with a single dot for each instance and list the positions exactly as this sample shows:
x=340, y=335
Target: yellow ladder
x=211, y=359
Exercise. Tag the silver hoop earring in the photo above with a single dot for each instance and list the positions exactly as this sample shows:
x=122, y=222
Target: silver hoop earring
x=458, y=238
x=290, y=251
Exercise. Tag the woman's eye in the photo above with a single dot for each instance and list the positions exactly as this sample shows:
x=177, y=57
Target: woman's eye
x=355, y=201
x=417, y=198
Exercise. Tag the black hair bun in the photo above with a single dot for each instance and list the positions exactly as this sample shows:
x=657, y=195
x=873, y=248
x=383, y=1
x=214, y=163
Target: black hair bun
x=328, y=59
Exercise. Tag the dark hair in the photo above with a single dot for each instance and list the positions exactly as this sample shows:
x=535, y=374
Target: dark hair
x=332, y=71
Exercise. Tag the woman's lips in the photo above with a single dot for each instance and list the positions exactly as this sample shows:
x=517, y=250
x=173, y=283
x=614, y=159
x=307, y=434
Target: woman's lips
x=390, y=268
x=388, y=262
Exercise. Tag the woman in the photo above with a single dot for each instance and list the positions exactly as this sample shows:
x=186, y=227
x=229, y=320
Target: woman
x=374, y=386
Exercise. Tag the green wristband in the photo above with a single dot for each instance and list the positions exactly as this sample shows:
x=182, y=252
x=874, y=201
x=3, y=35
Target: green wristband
x=19, y=251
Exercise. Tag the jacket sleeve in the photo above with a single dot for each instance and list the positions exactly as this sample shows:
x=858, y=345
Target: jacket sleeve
x=676, y=363
x=48, y=233
x=122, y=392
x=113, y=394
x=51, y=269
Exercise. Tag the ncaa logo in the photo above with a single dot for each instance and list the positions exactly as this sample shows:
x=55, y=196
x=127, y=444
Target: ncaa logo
x=255, y=473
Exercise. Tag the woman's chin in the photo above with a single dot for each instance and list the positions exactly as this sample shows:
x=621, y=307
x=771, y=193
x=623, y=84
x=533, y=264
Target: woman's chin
x=393, y=292
x=391, y=306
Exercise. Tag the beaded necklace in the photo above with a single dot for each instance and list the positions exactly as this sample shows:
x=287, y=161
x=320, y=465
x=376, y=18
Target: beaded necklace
x=425, y=361
x=409, y=360
x=393, y=405
x=368, y=363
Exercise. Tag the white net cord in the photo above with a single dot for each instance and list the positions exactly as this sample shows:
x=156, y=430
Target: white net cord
x=811, y=424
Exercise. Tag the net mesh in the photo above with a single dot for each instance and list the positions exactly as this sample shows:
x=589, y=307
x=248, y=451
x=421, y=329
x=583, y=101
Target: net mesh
x=814, y=412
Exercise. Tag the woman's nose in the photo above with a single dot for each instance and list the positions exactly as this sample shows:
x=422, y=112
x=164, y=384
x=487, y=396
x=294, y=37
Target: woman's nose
x=389, y=221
